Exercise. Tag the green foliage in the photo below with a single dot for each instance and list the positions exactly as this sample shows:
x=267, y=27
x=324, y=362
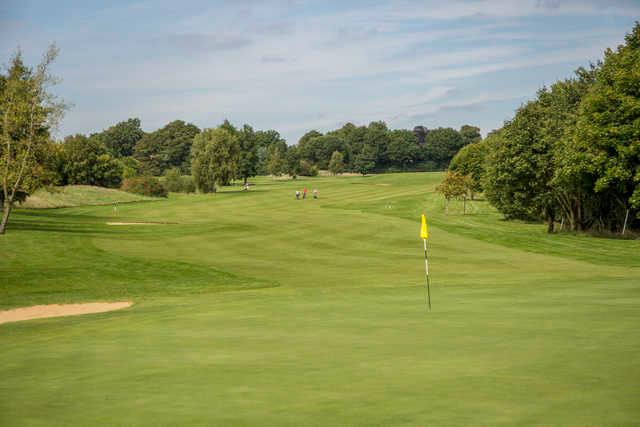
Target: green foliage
x=520, y=167
x=131, y=167
x=87, y=161
x=441, y=144
x=214, y=158
x=266, y=141
x=167, y=147
x=470, y=134
x=292, y=160
x=121, y=138
x=365, y=161
x=145, y=186
x=307, y=168
x=276, y=160
x=574, y=153
x=336, y=165
x=601, y=158
x=27, y=112
x=248, y=162
x=470, y=160
x=377, y=148
x=177, y=183
x=402, y=150
x=455, y=186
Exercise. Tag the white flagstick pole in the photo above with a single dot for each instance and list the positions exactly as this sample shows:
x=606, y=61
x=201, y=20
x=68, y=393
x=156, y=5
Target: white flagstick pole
x=426, y=267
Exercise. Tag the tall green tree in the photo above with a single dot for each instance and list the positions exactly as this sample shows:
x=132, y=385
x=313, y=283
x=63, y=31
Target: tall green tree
x=293, y=166
x=276, y=160
x=601, y=158
x=248, y=163
x=520, y=167
x=87, y=161
x=441, y=144
x=336, y=164
x=214, y=158
x=470, y=161
x=402, y=149
x=166, y=148
x=365, y=161
x=470, y=134
x=265, y=141
x=27, y=111
x=121, y=138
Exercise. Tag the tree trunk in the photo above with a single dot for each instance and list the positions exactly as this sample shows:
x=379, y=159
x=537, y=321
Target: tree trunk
x=550, y=224
x=446, y=206
x=245, y=180
x=464, y=206
x=6, y=211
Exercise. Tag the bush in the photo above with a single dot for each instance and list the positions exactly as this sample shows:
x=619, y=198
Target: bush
x=177, y=183
x=307, y=169
x=146, y=186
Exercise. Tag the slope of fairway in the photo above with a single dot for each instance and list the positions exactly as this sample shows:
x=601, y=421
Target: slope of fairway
x=79, y=195
x=253, y=308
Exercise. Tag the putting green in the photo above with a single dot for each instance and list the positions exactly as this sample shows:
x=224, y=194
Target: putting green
x=254, y=308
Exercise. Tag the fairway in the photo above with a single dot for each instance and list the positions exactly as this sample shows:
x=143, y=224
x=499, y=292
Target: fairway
x=253, y=308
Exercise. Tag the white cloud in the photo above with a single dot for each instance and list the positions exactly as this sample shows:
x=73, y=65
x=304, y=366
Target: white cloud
x=281, y=66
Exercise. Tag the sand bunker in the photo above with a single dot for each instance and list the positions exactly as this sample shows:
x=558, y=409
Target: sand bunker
x=57, y=310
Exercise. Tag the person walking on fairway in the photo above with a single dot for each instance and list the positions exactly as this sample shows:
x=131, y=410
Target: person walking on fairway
x=315, y=193
x=304, y=193
x=297, y=195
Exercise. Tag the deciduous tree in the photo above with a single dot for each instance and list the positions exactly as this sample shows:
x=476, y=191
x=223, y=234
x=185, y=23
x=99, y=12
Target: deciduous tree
x=27, y=112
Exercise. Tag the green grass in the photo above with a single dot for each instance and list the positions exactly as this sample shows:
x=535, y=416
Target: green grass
x=79, y=195
x=253, y=308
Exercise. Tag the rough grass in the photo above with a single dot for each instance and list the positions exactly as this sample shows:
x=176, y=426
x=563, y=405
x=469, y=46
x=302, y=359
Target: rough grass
x=257, y=309
x=79, y=195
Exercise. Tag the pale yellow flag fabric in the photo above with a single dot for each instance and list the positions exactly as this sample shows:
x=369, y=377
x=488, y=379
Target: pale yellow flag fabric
x=424, y=233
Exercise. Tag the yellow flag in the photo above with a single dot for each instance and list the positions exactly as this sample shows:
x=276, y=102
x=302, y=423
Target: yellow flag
x=424, y=234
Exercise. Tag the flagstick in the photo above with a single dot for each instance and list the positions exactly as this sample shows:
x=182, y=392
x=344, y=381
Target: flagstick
x=426, y=266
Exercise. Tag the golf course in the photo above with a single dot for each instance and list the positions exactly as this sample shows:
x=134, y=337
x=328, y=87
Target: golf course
x=254, y=308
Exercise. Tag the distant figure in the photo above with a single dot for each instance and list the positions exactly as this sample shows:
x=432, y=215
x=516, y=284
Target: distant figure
x=304, y=193
x=315, y=193
x=297, y=195
x=246, y=186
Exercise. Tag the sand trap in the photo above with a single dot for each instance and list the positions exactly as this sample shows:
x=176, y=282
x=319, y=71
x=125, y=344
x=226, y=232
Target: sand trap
x=57, y=310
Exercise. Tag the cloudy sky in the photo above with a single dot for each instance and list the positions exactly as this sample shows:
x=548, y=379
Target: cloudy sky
x=300, y=65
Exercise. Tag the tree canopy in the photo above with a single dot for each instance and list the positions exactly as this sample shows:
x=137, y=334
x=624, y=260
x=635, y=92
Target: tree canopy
x=573, y=153
x=166, y=148
x=121, y=138
x=214, y=158
x=27, y=112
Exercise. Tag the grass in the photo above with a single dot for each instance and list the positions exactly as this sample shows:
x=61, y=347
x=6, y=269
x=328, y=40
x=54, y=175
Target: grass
x=253, y=308
x=79, y=195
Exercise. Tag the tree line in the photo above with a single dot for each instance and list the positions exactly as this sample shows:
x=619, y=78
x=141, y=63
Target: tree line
x=188, y=158
x=572, y=154
x=124, y=150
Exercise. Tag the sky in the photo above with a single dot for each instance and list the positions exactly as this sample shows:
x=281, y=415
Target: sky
x=295, y=65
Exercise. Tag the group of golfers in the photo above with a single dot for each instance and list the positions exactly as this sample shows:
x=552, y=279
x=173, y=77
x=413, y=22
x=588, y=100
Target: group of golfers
x=303, y=193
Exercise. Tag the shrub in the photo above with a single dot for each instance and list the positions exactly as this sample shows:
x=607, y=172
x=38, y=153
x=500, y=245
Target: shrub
x=146, y=186
x=307, y=169
x=177, y=183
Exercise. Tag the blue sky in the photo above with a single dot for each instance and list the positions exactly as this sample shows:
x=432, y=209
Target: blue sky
x=300, y=65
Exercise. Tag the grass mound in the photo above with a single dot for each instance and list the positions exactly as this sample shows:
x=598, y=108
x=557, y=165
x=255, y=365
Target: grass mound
x=79, y=195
